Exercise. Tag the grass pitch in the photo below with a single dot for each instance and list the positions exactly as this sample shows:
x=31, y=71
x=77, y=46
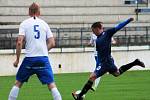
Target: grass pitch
x=133, y=85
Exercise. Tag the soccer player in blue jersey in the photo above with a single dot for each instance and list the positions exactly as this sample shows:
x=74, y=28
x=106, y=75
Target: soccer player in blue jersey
x=105, y=60
x=38, y=41
x=93, y=43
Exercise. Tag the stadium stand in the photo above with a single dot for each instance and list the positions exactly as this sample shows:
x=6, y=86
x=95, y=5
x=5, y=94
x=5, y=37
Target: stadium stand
x=70, y=20
x=71, y=13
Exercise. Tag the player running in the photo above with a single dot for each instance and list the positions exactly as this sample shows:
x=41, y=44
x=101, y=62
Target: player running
x=38, y=41
x=105, y=60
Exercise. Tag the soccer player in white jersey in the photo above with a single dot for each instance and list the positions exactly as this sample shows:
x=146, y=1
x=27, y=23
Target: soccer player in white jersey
x=38, y=41
x=93, y=43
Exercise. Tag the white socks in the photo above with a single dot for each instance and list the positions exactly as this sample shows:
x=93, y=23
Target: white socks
x=13, y=93
x=55, y=93
x=96, y=82
x=15, y=90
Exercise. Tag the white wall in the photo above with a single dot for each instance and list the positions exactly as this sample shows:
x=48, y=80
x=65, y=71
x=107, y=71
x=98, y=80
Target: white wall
x=76, y=62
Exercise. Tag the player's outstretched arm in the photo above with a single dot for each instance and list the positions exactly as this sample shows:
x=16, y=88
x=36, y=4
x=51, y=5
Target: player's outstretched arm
x=124, y=23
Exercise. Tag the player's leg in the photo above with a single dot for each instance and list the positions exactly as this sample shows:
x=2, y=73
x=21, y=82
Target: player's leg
x=22, y=76
x=97, y=81
x=95, y=84
x=45, y=75
x=55, y=93
x=126, y=67
x=15, y=90
x=87, y=86
x=97, y=73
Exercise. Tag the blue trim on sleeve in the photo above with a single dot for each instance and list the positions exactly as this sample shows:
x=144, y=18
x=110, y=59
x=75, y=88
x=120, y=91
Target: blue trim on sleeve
x=121, y=25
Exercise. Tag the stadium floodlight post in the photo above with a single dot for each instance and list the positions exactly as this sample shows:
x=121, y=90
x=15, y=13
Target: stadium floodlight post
x=137, y=10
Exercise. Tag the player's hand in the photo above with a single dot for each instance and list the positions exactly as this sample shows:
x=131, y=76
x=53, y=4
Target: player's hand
x=16, y=63
x=132, y=19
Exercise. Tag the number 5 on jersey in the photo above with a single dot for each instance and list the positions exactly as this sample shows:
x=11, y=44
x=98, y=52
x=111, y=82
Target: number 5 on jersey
x=37, y=35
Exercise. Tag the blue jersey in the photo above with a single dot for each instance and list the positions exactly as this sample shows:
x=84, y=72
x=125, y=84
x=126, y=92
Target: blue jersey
x=105, y=62
x=103, y=42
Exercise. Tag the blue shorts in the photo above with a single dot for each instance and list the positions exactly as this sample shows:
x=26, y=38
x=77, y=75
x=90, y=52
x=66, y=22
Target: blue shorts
x=102, y=68
x=35, y=65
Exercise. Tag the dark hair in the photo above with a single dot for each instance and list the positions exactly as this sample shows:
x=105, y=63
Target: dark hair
x=97, y=24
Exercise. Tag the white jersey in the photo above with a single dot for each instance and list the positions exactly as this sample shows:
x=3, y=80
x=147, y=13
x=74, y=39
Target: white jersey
x=93, y=41
x=36, y=32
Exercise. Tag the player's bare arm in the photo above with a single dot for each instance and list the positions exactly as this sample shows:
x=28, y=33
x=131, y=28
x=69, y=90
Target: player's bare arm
x=18, y=49
x=50, y=43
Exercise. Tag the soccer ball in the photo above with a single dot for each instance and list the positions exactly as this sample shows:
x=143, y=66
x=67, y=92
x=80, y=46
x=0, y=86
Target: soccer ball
x=78, y=91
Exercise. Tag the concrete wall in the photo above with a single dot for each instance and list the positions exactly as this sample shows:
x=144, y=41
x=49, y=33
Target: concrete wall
x=76, y=62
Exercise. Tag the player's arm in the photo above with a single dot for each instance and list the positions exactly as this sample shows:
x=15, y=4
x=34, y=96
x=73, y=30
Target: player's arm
x=18, y=49
x=91, y=42
x=112, y=31
x=124, y=23
x=50, y=43
x=50, y=38
x=113, y=41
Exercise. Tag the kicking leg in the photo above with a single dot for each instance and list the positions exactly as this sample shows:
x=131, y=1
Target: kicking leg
x=15, y=91
x=126, y=67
